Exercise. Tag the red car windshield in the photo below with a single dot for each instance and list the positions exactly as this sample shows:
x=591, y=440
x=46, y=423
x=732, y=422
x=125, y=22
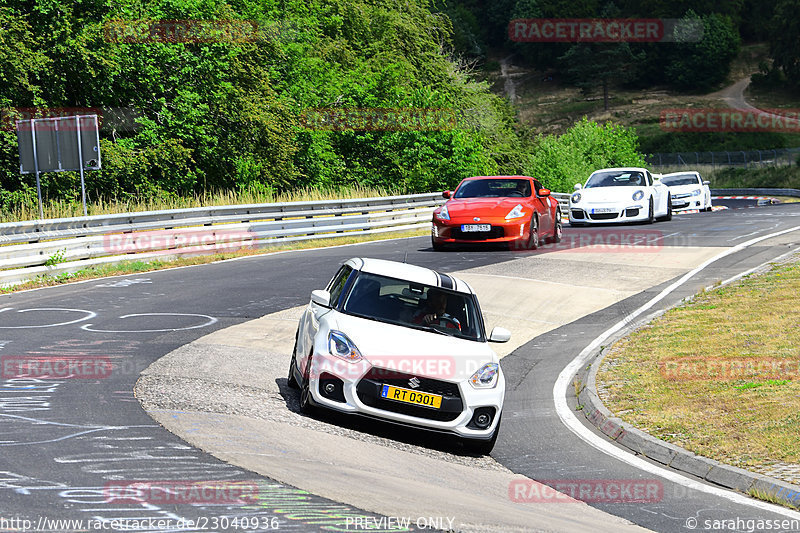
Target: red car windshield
x=494, y=188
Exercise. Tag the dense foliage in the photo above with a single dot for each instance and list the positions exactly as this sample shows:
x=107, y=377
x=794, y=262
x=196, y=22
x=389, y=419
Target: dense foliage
x=564, y=160
x=225, y=112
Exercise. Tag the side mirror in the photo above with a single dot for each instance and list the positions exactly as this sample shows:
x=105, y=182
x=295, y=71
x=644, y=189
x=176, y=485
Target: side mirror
x=499, y=334
x=321, y=297
x=706, y=182
x=446, y=194
x=544, y=192
x=578, y=186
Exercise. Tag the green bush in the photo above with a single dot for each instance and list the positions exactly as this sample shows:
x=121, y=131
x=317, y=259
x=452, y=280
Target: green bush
x=560, y=162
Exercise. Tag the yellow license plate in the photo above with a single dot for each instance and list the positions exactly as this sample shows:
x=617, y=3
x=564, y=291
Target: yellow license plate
x=414, y=397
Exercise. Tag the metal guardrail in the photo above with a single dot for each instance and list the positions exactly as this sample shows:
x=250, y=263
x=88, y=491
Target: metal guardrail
x=56, y=246
x=756, y=192
x=734, y=158
x=32, y=248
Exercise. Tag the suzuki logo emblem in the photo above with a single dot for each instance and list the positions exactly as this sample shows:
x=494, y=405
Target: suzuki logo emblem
x=413, y=382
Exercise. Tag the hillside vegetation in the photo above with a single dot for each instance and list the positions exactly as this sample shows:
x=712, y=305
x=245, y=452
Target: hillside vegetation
x=226, y=108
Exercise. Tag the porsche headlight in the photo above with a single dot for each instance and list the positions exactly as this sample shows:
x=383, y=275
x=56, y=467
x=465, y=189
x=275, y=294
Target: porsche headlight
x=697, y=192
x=443, y=214
x=638, y=195
x=486, y=376
x=576, y=198
x=517, y=212
x=341, y=346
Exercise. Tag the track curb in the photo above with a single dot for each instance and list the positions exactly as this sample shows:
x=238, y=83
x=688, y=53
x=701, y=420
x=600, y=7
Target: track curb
x=675, y=457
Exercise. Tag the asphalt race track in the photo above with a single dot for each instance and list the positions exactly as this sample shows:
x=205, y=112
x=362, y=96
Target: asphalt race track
x=73, y=448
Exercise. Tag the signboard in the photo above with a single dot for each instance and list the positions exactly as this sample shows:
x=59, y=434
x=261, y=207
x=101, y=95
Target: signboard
x=55, y=141
x=58, y=144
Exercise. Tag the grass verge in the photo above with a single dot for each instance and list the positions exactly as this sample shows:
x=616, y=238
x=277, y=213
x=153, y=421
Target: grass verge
x=720, y=375
x=134, y=266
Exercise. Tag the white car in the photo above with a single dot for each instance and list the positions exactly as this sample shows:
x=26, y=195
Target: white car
x=404, y=344
x=688, y=191
x=619, y=195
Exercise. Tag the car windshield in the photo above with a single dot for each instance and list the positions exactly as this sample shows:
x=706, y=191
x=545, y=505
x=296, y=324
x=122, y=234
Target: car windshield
x=620, y=178
x=408, y=304
x=683, y=179
x=494, y=188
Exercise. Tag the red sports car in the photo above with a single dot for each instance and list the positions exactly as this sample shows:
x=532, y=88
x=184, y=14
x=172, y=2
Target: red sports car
x=515, y=210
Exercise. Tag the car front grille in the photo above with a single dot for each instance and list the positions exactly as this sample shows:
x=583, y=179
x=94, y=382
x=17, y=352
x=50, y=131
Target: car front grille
x=604, y=216
x=369, y=392
x=577, y=213
x=497, y=232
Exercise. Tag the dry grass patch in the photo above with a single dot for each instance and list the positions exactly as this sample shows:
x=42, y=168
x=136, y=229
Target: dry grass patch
x=719, y=375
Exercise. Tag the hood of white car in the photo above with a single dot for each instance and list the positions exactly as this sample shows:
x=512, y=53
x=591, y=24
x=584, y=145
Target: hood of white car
x=608, y=194
x=683, y=189
x=414, y=351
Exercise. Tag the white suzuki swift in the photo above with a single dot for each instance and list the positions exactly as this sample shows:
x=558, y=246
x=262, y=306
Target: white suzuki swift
x=401, y=343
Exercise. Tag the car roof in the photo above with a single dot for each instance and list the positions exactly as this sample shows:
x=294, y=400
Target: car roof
x=696, y=174
x=407, y=272
x=640, y=169
x=497, y=177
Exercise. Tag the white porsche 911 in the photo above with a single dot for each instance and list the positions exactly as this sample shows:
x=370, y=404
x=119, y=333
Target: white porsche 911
x=619, y=195
x=688, y=190
x=404, y=344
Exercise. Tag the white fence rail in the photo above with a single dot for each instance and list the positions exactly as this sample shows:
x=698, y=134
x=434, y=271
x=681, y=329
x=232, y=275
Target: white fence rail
x=32, y=248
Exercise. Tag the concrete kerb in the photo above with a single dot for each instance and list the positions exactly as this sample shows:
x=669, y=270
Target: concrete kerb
x=668, y=454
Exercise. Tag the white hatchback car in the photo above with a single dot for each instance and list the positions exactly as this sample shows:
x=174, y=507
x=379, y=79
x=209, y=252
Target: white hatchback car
x=688, y=190
x=619, y=195
x=404, y=344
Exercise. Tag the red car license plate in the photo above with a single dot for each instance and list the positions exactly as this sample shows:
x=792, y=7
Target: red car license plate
x=476, y=227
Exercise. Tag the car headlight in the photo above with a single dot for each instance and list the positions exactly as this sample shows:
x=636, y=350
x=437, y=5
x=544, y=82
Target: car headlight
x=443, y=214
x=341, y=346
x=576, y=198
x=697, y=192
x=517, y=212
x=486, y=376
x=638, y=195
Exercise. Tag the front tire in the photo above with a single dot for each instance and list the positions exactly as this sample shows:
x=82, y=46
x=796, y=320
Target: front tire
x=291, y=379
x=533, y=239
x=306, y=401
x=558, y=229
x=650, y=214
x=436, y=246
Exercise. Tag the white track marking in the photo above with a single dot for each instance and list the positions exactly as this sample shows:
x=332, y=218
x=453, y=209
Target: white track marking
x=89, y=315
x=569, y=419
x=210, y=321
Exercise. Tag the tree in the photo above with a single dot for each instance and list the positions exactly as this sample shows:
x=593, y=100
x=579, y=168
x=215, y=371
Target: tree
x=700, y=66
x=784, y=42
x=600, y=64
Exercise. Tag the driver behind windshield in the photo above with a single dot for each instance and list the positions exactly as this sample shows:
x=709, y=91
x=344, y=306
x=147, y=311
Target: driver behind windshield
x=435, y=311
